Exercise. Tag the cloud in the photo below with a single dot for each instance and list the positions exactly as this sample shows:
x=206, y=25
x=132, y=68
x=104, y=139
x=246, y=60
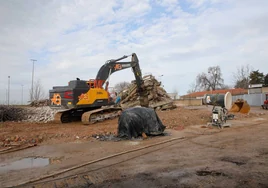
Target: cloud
x=178, y=39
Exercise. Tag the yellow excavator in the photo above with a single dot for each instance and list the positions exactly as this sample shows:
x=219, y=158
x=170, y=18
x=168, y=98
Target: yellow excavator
x=88, y=101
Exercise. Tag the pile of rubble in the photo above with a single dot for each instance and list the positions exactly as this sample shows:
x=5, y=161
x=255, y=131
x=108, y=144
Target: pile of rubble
x=11, y=113
x=158, y=97
x=38, y=103
x=40, y=114
x=27, y=114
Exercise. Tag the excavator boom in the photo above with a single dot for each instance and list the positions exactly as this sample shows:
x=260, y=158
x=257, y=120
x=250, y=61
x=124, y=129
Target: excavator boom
x=112, y=66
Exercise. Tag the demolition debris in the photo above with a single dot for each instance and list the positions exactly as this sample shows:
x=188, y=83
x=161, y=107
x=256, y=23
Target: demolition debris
x=38, y=103
x=11, y=113
x=157, y=96
x=39, y=114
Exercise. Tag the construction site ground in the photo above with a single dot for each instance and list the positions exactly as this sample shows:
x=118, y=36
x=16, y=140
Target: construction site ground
x=198, y=156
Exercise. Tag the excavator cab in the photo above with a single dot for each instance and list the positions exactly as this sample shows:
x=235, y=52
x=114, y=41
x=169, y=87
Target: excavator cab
x=90, y=83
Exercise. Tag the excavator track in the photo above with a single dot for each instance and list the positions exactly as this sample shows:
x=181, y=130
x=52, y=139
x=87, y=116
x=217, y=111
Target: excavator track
x=64, y=116
x=101, y=114
x=87, y=117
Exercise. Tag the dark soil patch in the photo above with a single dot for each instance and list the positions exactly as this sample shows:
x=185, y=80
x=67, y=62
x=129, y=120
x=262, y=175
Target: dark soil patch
x=209, y=173
x=236, y=160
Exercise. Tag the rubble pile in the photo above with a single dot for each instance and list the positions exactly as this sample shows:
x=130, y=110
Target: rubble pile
x=12, y=113
x=38, y=103
x=40, y=114
x=27, y=114
x=157, y=96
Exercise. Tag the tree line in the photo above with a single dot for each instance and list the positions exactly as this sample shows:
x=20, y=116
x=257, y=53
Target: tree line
x=242, y=77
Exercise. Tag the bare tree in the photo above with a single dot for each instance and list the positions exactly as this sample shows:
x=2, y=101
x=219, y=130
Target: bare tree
x=175, y=92
x=211, y=80
x=226, y=86
x=121, y=86
x=38, y=91
x=241, y=76
x=193, y=88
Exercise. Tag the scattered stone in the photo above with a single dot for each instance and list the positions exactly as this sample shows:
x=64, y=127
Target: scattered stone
x=144, y=136
x=40, y=139
x=12, y=138
x=7, y=140
x=33, y=141
x=17, y=138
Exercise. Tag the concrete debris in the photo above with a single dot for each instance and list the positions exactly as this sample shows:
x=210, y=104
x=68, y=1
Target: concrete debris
x=38, y=103
x=40, y=114
x=158, y=97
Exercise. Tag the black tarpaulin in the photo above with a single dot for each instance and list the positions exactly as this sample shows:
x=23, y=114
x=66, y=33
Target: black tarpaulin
x=135, y=121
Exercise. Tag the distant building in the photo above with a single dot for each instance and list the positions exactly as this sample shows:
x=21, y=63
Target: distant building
x=200, y=94
x=257, y=88
x=174, y=96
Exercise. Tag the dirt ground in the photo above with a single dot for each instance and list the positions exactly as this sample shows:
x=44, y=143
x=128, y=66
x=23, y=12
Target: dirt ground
x=207, y=157
x=21, y=133
x=51, y=133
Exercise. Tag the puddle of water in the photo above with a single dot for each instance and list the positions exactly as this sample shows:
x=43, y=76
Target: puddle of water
x=29, y=162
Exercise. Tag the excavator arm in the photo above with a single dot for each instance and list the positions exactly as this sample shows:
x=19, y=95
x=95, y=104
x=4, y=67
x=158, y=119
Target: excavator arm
x=112, y=66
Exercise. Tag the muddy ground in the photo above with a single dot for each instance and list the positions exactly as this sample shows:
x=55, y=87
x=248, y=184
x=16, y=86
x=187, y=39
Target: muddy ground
x=205, y=156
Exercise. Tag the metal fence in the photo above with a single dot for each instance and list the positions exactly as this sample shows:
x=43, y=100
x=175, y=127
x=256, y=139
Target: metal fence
x=256, y=99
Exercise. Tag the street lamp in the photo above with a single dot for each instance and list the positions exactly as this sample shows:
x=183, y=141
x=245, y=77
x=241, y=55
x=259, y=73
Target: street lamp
x=8, y=90
x=6, y=95
x=21, y=94
x=33, y=60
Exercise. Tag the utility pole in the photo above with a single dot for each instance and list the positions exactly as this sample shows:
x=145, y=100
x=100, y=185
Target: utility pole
x=21, y=94
x=33, y=60
x=6, y=96
x=8, y=91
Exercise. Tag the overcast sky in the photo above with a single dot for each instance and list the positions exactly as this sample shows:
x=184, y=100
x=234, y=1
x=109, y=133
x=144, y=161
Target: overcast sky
x=174, y=38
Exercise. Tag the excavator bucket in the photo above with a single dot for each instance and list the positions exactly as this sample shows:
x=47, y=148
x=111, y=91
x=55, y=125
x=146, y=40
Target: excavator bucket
x=241, y=106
